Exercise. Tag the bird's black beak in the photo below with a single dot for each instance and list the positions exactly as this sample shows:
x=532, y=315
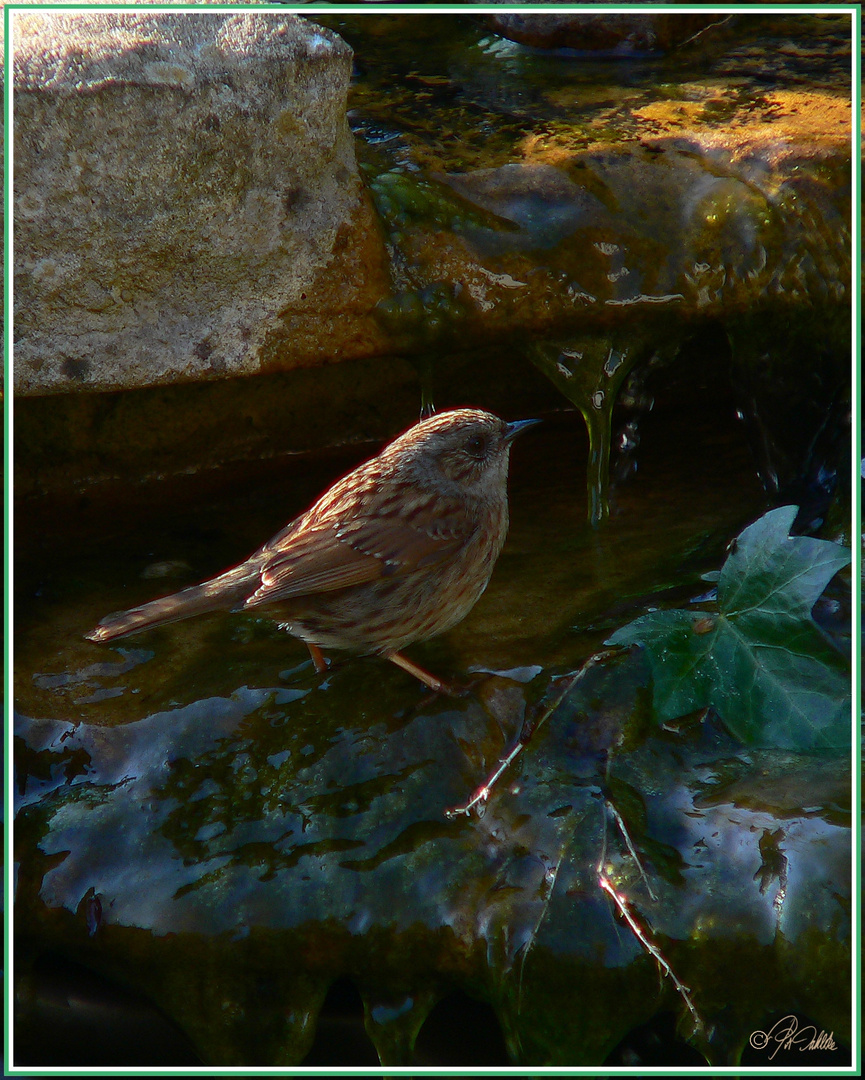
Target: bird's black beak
x=514, y=429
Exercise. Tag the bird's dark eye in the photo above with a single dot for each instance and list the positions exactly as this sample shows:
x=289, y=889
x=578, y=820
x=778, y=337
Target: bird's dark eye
x=476, y=447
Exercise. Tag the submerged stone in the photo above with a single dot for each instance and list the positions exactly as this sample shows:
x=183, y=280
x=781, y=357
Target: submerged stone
x=545, y=204
x=607, y=32
x=208, y=848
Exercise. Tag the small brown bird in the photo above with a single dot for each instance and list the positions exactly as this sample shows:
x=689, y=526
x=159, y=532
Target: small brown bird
x=397, y=551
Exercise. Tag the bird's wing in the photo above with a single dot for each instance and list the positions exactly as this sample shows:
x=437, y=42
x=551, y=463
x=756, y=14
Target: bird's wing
x=327, y=557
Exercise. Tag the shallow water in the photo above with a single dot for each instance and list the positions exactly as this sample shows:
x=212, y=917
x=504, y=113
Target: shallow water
x=199, y=799
x=205, y=820
x=603, y=210
x=558, y=588
x=463, y=98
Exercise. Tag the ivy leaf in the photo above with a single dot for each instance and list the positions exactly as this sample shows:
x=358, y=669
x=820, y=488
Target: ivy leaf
x=761, y=661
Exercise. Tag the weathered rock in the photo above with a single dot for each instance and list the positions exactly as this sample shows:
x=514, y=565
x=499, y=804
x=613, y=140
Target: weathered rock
x=180, y=181
x=517, y=201
x=288, y=842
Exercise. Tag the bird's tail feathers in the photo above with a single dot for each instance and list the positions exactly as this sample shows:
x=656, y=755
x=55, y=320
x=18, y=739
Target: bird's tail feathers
x=214, y=595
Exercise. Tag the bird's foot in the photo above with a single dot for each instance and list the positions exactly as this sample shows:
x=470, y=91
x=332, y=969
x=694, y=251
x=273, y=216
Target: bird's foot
x=318, y=658
x=437, y=685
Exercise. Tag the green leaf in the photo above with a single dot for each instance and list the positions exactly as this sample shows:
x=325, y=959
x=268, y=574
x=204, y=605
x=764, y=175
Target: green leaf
x=771, y=571
x=761, y=662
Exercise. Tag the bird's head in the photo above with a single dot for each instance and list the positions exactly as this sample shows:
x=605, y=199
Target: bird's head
x=463, y=451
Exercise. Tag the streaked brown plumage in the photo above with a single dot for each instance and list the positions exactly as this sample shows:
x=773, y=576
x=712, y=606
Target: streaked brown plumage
x=398, y=550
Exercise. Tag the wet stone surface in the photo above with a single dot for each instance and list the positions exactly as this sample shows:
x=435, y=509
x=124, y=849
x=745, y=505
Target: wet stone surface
x=262, y=853
x=205, y=821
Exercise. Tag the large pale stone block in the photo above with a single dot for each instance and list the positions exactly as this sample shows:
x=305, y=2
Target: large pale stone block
x=179, y=180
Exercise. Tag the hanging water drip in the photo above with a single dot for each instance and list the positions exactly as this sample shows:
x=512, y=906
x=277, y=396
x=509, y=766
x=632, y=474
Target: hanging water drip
x=591, y=370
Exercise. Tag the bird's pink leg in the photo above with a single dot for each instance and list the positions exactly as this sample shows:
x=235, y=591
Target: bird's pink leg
x=317, y=658
x=420, y=673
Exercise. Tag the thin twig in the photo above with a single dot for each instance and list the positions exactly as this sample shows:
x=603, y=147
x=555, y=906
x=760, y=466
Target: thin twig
x=711, y=26
x=482, y=793
x=621, y=903
x=623, y=829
